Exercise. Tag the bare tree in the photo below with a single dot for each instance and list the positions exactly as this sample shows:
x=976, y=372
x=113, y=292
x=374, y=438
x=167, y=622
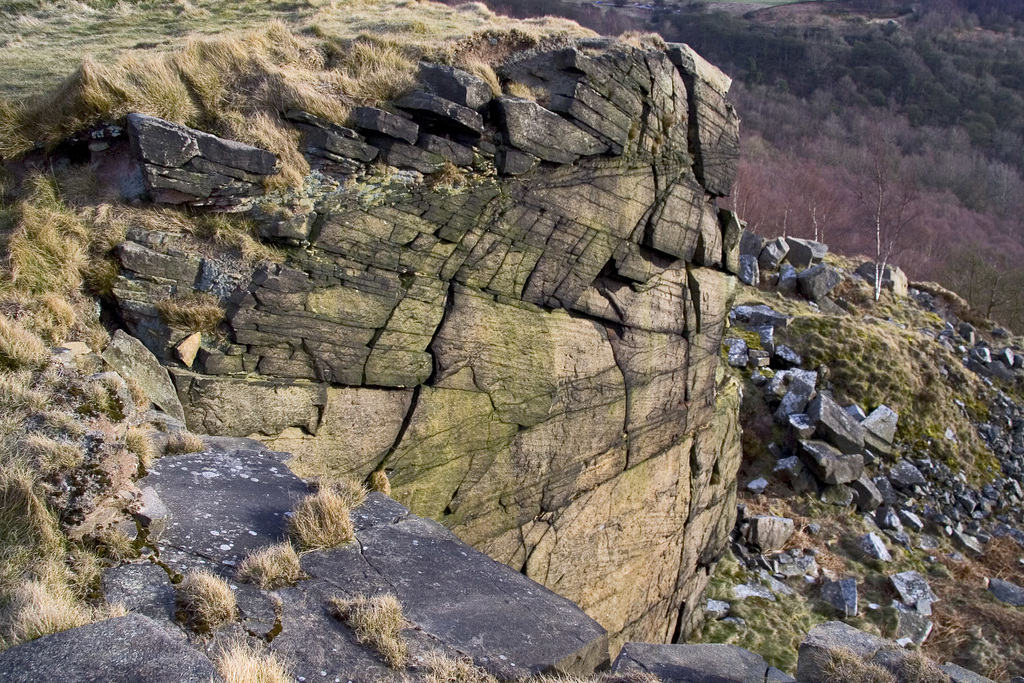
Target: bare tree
x=886, y=198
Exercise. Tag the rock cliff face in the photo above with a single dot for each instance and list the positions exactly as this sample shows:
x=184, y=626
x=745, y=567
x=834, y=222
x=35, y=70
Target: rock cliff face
x=517, y=315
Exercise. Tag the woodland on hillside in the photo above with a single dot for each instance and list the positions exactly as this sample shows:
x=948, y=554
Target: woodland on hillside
x=868, y=119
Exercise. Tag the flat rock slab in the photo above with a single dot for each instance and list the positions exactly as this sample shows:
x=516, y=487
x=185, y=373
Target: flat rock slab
x=508, y=624
x=142, y=588
x=224, y=502
x=706, y=663
x=123, y=650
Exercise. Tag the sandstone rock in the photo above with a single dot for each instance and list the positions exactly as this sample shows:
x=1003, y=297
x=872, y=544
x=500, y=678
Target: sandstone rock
x=715, y=609
x=131, y=359
x=795, y=401
x=880, y=429
x=460, y=155
x=732, y=234
x=911, y=625
x=805, y=253
x=893, y=278
x=141, y=588
x=837, y=494
x=914, y=591
x=829, y=465
x=696, y=663
x=868, y=495
x=737, y=352
x=958, y=674
x=786, y=357
x=886, y=518
x=515, y=162
x=749, y=272
x=320, y=140
x=801, y=426
x=904, y=474
x=456, y=595
x=772, y=254
x=826, y=638
x=122, y=650
x=441, y=114
x=841, y=595
x=787, y=280
x=225, y=503
x=168, y=144
x=836, y=425
x=873, y=547
x=769, y=533
x=385, y=123
x=1007, y=592
x=818, y=281
x=455, y=85
x=751, y=244
x=537, y=131
x=758, y=315
x=400, y=155
x=188, y=347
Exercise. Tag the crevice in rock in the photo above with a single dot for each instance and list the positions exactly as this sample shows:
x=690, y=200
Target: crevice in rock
x=406, y=421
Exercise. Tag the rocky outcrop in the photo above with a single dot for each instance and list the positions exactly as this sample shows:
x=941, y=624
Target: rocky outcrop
x=529, y=353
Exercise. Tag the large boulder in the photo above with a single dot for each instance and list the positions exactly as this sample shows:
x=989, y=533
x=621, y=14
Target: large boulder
x=769, y=532
x=805, y=253
x=825, y=639
x=707, y=663
x=893, y=277
x=830, y=465
x=835, y=425
x=132, y=360
x=817, y=282
x=455, y=85
x=122, y=650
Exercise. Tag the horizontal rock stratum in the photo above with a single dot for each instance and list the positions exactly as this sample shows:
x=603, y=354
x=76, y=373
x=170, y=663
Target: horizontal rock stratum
x=518, y=319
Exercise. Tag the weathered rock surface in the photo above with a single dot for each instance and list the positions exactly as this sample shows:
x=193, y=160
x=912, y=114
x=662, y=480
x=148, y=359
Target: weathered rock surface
x=830, y=465
x=1007, y=592
x=181, y=165
x=532, y=359
x=708, y=663
x=123, y=650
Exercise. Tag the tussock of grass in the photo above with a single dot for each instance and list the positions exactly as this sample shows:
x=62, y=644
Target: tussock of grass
x=843, y=666
x=322, y=520
x=139, y=441
x=352, y=492
x=242, y=664
x=40, y=608
x=206, y=600
x=379, y=482
x=272, y=567
x=50, y=455
x=193, y=312
x=377, y=621
x=115, y=544
x=183, y=442
x=444, y=669
x=916, y=668
x=19, y=347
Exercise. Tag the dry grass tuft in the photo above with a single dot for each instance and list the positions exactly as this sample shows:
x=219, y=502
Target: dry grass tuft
x=444, y=669
x=916, y=668
x=377, y=621
x=206, y=600
x=242, y=664
x=183, y=442
x=41, y=607
x=322, y=520
x=272, y=567
x=193, y=312
x=19, y=347
x=51, y=456
x=115, y=544
x=352, y=492
x=139, y=441
x=843, y=666
x=379, y=482
x=138, y=392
